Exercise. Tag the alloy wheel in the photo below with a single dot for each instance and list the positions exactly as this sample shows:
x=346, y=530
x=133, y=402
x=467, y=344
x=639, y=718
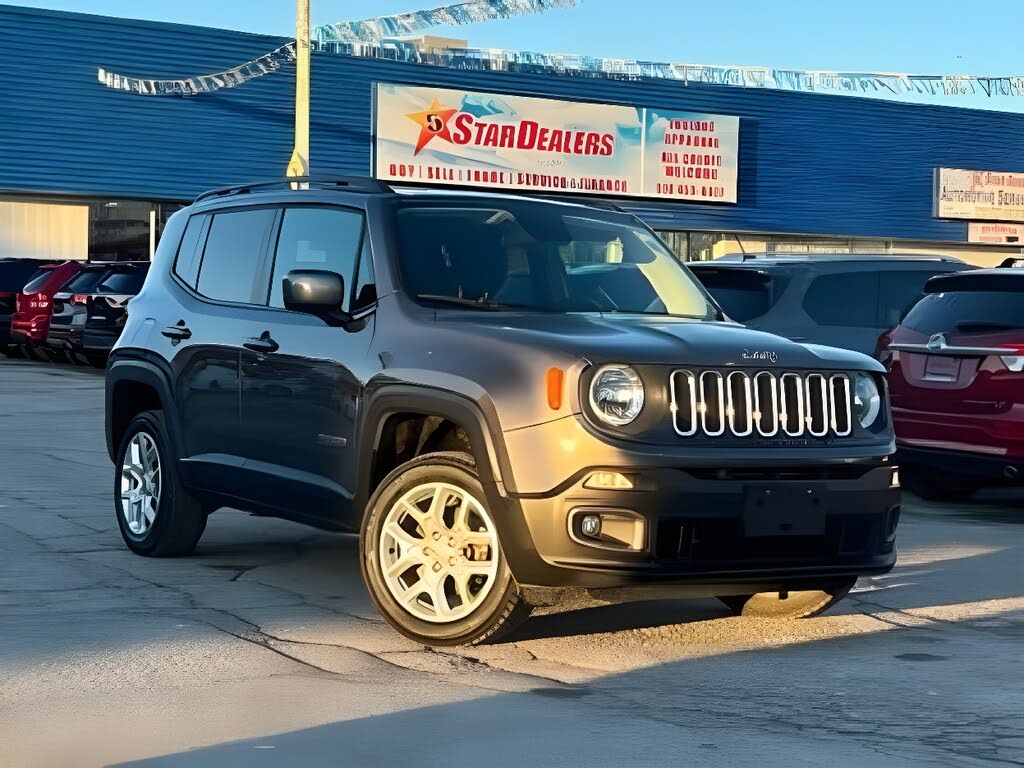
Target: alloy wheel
x=140, y=484
x=438, y=552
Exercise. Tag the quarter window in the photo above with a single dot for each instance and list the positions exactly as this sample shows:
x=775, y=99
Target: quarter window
x=186, y=266
x=317, y=238
x=232, y=254
x=846, y=299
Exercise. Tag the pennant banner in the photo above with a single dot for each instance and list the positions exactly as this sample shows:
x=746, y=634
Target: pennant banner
x=379, y=38
x=373, y=30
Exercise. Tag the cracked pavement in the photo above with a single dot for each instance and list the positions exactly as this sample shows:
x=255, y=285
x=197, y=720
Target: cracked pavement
x=264, y=649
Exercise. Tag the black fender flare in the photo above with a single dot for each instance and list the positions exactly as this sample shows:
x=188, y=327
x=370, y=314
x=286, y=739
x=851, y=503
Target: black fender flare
x=480, y=420
x=140, y=369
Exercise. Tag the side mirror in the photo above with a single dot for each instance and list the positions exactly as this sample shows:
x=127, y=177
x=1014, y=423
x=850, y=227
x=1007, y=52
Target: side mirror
x=314, y=291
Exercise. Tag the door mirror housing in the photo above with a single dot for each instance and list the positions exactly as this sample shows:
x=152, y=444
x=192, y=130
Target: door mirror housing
x=315, y=292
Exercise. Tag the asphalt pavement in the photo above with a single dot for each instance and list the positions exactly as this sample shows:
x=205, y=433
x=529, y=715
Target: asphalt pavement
x=263, y=649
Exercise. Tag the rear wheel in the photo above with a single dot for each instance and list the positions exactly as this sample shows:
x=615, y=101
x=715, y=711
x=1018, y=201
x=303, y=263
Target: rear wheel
x=156, y=514
x=934, y=485
x=801, y=604
x=431, y=558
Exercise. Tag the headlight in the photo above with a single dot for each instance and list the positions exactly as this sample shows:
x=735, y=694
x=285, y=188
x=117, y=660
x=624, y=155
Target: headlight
x=867, y=402
x=616, y=394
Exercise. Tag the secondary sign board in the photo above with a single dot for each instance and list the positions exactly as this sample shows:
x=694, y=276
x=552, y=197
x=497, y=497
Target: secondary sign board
x=979, y=195
x=994, y=232
x=443, y=136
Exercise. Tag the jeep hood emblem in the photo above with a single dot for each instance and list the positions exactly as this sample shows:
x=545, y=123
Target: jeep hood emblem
x=760, y=354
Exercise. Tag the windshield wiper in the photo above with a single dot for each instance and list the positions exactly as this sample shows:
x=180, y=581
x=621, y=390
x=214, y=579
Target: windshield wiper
x=481, y=303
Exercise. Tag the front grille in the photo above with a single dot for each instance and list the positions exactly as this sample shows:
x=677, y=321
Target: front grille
x=765, y=403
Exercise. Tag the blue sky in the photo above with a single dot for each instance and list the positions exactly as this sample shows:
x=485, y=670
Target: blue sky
x=921, y=36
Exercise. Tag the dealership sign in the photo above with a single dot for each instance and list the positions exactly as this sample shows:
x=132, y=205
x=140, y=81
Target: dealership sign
x=979, y=195
x=994, y=232
x=428, y=135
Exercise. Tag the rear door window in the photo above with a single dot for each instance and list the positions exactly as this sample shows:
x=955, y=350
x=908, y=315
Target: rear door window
x=847, y=299
x=232, y=255
x=744, y=294
x=967, y=312
x=898, y=292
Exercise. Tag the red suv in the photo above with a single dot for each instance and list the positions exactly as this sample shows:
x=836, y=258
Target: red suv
x=956, y=381
x=31, y=319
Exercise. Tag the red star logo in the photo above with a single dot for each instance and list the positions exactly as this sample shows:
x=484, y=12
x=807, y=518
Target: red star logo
x=433, y=122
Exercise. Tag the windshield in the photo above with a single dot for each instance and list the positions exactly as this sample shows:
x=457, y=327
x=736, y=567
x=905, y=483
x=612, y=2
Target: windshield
x=543, y=257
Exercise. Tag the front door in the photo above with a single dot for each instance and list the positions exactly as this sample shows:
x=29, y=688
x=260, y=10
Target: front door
x=301, y=377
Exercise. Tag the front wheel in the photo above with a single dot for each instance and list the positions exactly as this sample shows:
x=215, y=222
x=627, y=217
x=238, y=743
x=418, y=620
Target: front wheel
x=431, y=558
x=801, y=604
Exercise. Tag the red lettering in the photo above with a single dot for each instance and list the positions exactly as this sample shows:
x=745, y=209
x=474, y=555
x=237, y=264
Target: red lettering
x=462, y=124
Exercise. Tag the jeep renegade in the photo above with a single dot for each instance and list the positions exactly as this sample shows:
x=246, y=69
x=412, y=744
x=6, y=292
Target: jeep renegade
x=502, y=395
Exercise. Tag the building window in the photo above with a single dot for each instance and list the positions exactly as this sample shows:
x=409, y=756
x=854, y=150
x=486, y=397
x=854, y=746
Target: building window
x=119, y=230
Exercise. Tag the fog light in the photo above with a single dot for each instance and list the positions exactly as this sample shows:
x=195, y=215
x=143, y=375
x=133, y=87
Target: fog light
x=608, y=481
x=895, y=479
x=591, y=526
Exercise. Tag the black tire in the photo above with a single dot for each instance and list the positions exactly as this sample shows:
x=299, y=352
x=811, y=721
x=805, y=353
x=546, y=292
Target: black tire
x=803, y=604
x=180, y=518
x=499, y=612
x=932, y=485
x=96, y=359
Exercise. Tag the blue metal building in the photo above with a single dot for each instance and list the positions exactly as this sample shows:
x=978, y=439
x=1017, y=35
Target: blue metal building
x=818, y=166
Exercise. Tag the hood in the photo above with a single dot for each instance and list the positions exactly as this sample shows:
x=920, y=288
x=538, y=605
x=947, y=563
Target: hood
x=622, y=338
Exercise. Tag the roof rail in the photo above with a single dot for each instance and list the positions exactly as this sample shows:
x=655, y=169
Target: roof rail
x=1013, y=261
x=348, y=183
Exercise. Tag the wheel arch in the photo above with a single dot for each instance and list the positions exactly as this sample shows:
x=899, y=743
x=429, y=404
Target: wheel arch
x=478, y=421
x=134, y=385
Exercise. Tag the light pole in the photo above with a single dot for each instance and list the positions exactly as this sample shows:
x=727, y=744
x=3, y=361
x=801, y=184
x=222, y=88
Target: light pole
x=299, y=163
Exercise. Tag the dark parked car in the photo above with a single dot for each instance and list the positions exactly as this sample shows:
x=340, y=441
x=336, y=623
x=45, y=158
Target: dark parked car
x=69, y=311
x=839, y=300
x=14, y=275
x=956, y=373
x=30, y=322
x=106, y=310
x=502, y=395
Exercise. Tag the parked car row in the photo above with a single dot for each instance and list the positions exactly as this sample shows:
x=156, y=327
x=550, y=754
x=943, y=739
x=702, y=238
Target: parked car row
x=68, y=310
x=951, y=338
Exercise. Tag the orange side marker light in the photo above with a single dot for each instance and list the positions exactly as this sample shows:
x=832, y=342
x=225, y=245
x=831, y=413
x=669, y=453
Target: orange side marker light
x=555, y=379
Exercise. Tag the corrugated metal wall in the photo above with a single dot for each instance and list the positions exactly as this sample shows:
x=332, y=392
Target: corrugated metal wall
x=808, y=163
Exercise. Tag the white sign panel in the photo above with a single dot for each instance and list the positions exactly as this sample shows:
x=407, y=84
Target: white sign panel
x=427, y=135
x=986, y=195
x=994, y=232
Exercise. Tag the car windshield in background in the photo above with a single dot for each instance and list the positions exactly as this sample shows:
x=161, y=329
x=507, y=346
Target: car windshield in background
x=122, y=282
x=544, y=257
x=967, y=312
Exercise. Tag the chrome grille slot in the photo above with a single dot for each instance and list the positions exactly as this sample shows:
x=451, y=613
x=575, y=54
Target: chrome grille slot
x=840, y=402
x=792, y=415
x=741, y=403
x=712, y=405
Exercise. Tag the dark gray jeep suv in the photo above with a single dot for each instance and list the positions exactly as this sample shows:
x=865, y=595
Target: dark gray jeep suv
x=502, y=395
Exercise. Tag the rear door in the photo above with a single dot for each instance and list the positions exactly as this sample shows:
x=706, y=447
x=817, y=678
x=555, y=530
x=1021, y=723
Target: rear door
x=301, y=376
x=957, y=365
x=218, y=260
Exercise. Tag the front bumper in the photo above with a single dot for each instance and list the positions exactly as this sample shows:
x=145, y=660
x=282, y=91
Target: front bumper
x=715, y=531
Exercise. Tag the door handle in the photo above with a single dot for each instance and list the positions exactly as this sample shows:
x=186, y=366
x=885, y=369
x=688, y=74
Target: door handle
x=262, y=343
x=177, y=332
